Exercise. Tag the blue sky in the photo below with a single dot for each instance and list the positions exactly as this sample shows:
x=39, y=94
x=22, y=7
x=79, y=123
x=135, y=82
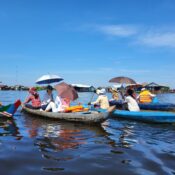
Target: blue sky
x=87, y=41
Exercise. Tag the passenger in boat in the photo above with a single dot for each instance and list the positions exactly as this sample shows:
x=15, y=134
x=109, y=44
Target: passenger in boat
x=131, y=101
x=48, y=97
x=102, y=99
x=34, y=99
x=115, y=95
x=59, y=105
x=65, y=103
x=116, y=98
x=145, y=96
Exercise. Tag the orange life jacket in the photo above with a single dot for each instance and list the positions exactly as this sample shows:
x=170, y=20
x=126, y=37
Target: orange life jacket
x=145, y=97
x=76, y=109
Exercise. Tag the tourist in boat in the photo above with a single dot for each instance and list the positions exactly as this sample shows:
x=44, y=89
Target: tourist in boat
x=131, y=101
x=102, y=99
x=116, y=98
x=48, y=97
x=145, y=96
x=115, y=94
x=59, y=105
x=34, y=99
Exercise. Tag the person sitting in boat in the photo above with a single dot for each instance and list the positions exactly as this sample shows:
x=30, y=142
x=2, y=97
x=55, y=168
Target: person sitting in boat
x=116, y=98
x=145, y=96
x=65, y=103
x=115, y=95
x=48, y=97
x=59, y=105
x=102, y=99
x=131, y=101
x=34, y=99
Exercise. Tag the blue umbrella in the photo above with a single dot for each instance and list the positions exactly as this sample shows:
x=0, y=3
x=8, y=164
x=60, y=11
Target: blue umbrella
x=48, y=79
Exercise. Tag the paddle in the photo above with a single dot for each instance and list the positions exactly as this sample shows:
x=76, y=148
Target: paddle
x=92, y=89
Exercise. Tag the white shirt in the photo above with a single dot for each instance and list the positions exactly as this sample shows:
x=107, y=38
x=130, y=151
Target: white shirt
x=132, y=104
x=47, y=99
x=58, y=105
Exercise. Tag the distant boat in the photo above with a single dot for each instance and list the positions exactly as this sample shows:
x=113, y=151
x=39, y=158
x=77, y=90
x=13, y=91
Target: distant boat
x=9, y=110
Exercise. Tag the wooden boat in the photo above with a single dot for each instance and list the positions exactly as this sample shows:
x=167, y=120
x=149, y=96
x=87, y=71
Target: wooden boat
x=9, y=110
x=157, y=106
x=86, y=117
x=146, y=116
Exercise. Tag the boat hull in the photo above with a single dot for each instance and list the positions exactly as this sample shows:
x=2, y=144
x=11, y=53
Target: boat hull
x=9, y=110
x=148, y=106
x=158, y=106
x=146, y=116
x=85, y=117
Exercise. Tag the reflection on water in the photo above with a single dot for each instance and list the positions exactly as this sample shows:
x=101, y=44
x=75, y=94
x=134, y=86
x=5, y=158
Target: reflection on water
x=8, y=127
x=124, y=133
x=41, y=146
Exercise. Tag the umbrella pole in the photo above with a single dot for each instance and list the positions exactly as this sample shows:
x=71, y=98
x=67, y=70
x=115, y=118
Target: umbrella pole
x=122, y=92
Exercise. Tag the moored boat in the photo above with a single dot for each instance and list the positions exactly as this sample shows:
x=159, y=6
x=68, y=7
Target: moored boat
x=146, y=116
x=85, y=117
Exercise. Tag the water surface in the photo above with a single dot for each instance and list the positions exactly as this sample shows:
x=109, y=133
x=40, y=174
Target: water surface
x=32, y=145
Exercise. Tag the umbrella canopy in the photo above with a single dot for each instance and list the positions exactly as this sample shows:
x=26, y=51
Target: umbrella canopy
x=66, y=91
x=122, y=80
x=47, y=79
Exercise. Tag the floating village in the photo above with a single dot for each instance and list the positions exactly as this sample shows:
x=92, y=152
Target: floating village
x=153, y=87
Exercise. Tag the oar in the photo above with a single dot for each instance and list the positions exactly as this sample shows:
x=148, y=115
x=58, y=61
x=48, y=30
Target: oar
x=92, y=89
x=92, y=97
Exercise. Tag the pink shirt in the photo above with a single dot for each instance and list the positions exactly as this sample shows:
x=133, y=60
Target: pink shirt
x=36, y=102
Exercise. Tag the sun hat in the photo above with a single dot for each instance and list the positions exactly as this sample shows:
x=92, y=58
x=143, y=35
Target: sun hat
x=143, y=89
x=32, y=90
x=101, y=91
x=114, y=89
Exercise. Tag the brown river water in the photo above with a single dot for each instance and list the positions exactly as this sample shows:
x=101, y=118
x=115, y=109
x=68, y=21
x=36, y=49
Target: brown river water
x=32, y=145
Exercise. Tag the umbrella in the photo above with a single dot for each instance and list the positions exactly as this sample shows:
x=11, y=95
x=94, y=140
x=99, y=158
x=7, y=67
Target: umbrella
x=47, y=79
x=122, y=80
x=66, y=91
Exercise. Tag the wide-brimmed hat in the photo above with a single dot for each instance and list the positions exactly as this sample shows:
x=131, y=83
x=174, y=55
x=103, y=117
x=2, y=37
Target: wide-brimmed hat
x=101, y=91
x=32, y=90
x=114, y=89
x=143, y=89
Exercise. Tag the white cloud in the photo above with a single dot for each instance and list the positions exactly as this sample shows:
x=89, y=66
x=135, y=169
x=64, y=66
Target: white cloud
x=117, y=30
x=147, y=36
x=158, y=39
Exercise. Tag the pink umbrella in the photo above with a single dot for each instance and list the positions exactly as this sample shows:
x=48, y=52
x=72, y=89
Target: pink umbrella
x=66, y=91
